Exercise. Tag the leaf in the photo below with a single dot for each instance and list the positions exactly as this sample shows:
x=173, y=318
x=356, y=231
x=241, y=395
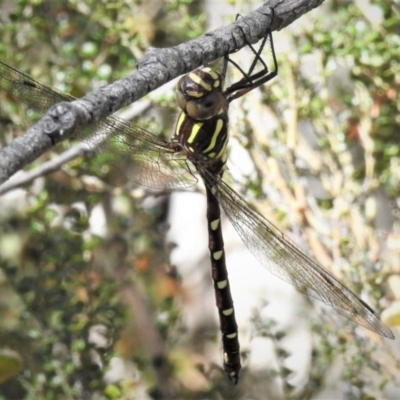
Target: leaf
x=10, y=364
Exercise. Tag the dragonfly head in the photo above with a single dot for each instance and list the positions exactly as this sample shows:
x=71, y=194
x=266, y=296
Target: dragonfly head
x=199, y=94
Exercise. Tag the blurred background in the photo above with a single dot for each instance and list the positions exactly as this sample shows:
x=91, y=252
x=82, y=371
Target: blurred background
x=105, y=288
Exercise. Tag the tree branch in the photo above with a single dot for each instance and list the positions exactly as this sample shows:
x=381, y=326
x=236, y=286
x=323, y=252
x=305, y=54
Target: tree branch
x=157, y=67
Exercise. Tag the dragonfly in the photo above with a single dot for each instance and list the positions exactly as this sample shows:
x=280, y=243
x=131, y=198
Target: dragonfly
x=200, y=139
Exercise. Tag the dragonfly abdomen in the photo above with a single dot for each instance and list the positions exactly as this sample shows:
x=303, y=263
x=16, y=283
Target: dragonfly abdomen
x=223, y=295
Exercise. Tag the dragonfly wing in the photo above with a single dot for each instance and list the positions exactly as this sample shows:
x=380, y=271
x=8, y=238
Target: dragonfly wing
x=139, y=155
x=285, y=260
x=25, y=89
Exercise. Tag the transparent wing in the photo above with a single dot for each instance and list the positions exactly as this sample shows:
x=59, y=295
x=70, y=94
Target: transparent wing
x=141, y=156
x=285, y=260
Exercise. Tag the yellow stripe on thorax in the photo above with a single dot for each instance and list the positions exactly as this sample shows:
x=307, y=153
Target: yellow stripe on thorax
x=218, y=128
x=195, y=130
x=223, y=154
x=179, y=123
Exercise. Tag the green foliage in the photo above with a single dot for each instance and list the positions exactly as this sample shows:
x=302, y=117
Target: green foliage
x=64, y=301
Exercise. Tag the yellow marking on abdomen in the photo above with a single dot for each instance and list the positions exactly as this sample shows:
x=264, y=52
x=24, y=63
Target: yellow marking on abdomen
x=231, y=335
x=218, y=254
x=214, y=224
x=227, y=312
x=226, y=358
x=222, y=284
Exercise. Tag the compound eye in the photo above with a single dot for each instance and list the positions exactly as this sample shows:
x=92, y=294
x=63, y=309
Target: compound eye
x=205, y=107
x=181, y=99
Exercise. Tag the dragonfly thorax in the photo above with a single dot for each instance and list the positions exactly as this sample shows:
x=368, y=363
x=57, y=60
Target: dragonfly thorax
x=205, y=142
x=201, y=129
x=199, y=94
